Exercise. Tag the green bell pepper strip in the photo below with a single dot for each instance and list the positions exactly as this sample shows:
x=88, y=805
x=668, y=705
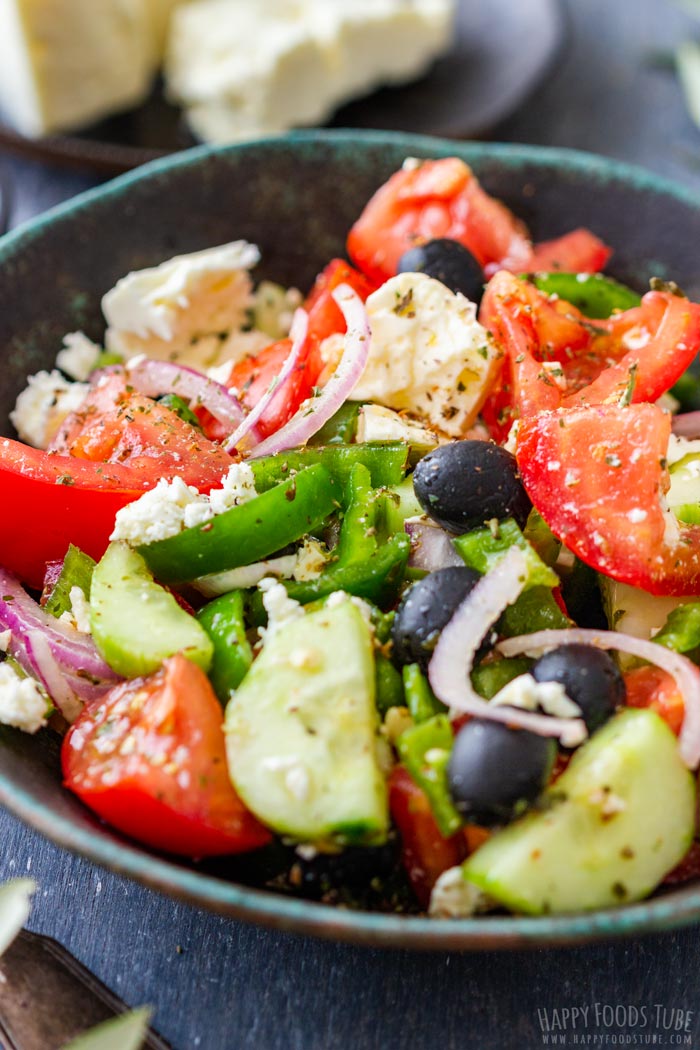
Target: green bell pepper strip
x=482, y=549
x=388, y=685
x=681, y=632
x=539, y=535
x=489, y=678
x=425, y=752
x=420, y=699
x=377, y=580
x=399, y=503
x=593, y=294
x=534, y=610
x=386, y=461
x=358, y=531
x=223, y=620
x=340, y=428
x=249, y=532
x=76, y=571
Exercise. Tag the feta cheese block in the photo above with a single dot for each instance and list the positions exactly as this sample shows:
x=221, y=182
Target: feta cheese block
x=428, y=355
x=43, y=405
x=180, y=310
x=66, y=63
x=262, y=66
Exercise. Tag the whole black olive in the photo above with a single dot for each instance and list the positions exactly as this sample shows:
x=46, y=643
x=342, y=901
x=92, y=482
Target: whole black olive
x=449, y=262
x=426, y=608
x=496, y=772
x=590, y=677
x=464, y=484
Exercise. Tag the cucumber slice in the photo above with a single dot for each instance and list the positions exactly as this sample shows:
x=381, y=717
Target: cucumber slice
x=301, y=732
x=618, y=820
x=136, y=623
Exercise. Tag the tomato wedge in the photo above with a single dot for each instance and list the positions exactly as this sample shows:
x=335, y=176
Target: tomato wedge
x=655, y=688
x=597, y=474
x=117, y=425
x=554, y=356
x=149, y=758
x=425, y=853
x=443, y=198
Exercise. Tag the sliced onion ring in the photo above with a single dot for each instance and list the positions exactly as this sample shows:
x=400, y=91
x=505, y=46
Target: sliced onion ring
x=453, y=659
x=298, y=333
x=154, y=378
x=686, y=425
x=316, y=411
x=50, y=675
x=431, y=547
x=685, y=672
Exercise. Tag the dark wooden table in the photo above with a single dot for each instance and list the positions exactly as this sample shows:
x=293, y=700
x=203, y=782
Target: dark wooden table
x=221, y=985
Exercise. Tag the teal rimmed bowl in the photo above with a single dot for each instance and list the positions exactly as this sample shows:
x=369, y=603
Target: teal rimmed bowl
x=296, y=197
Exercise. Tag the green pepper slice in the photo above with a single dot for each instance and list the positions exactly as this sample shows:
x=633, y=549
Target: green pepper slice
x=76, y=571
x=425, y=752
x=223, y=620
x=593, y=294
x=386, y=461
x=249, y=532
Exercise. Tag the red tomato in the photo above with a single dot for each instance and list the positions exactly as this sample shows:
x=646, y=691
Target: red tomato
x=689, y=867
x=325, y=317
x=595, y=474
x=577, y=252
x=443, y=198
x=554, y=356
x=252, y=377
x=149, y=759
x=116, y=425
x=655, y=688
x=55, y=501
x=425, y=853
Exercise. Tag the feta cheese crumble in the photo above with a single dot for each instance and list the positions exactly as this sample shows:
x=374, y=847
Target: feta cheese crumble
x=527, y=693
x=280, y=608
x=173, y=506
x=428, y=354
x=455, y=898
x=377, y=423
x=166, y=311
x=78, y=615
x=79, y=356
x=23, y=704
x=44, y=404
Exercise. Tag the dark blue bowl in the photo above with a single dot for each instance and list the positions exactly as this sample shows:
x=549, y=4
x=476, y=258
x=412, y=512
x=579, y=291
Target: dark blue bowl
x=296, y=197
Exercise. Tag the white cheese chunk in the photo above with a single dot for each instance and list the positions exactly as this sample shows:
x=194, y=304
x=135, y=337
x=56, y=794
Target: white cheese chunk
x=78, y=616
x=280, y=608
x=428, y=355
x=163, y=311
x=453, y=897
x=262, y=66
x=23, y=704
x=376, y=423
x=79, y=356
x=43, y=405
x=63, y=65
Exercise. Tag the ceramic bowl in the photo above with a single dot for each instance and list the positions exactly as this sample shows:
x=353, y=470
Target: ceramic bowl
x=296, y=197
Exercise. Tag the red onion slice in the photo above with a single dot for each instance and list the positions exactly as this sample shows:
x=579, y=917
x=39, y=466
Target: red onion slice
x=154, y=378
x=298, y=333
x=431, y=547
x=453, y=659
x=686, y=425
x=685, y=672
x=312, y=415
x=50, y=675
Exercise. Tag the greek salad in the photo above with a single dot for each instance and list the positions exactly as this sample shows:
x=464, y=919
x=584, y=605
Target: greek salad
x=392, y=585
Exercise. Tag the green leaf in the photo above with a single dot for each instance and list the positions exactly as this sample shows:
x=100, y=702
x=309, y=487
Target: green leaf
x=15, y=905
x=126, y=1032
x=688, y=66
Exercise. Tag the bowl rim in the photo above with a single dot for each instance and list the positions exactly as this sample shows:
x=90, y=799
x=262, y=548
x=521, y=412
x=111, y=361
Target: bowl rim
x=675, y=909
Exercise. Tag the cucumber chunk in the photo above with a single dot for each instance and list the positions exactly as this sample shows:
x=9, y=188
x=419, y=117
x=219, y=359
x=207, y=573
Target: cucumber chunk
x=607, y=832
x=136, y=623
x=301, y=732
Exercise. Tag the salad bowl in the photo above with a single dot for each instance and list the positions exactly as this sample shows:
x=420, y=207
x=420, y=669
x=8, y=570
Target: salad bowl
x=296, y=197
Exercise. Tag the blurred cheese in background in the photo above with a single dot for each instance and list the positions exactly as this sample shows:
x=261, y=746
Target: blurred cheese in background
x=238, y=67
x=66, y=63
x=246, y=67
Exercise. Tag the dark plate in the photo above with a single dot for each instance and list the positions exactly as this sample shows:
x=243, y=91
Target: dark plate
x=54, y=271
x=501, y=50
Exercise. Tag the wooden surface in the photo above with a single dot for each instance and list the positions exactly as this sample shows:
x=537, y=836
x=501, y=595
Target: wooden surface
x=219, y=985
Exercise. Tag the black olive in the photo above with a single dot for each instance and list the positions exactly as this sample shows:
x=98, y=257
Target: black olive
x=426, y=608
x=496, y=772
x=449, y=262
x=464, y=484
x=590, y=677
